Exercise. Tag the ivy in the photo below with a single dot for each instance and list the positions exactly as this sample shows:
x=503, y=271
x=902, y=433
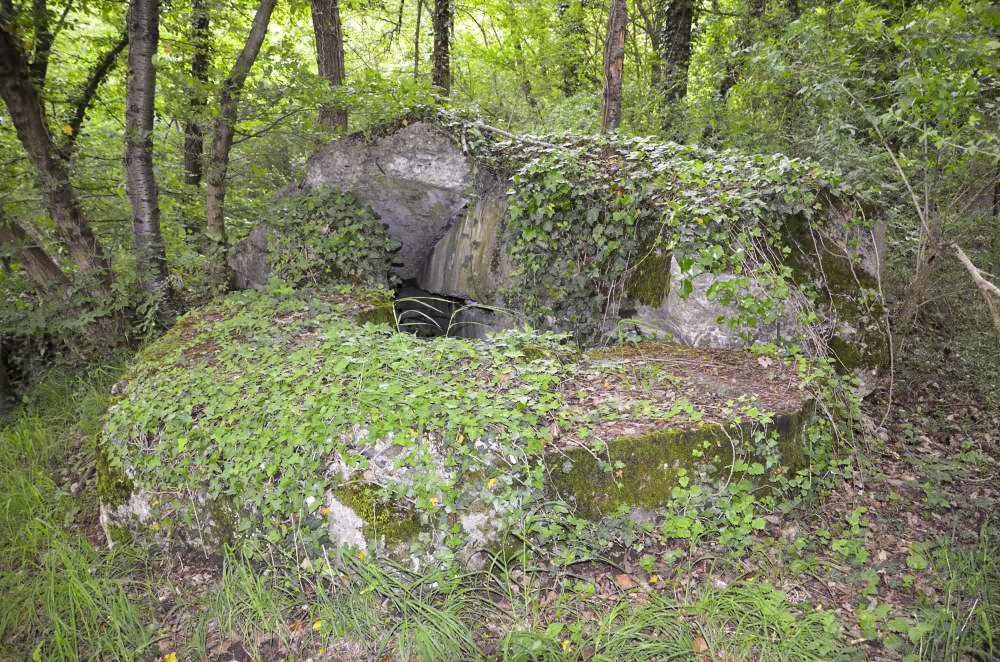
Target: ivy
x=588, y=214
x=326, y=236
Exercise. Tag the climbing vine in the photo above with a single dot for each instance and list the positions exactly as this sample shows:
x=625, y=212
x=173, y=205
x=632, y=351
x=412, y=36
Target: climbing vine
x=594, y=222
x=326, y=236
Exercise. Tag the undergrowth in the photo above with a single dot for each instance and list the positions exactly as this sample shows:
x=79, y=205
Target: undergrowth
x=64, y=598
x=76, y=600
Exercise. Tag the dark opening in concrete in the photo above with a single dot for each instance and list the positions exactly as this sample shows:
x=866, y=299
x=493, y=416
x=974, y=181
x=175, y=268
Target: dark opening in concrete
x=431, y=315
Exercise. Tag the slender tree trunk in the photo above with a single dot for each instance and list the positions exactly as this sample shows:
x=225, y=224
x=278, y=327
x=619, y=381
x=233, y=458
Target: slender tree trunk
x=194, y=142
x=6, y=387
x=522, y=68
x=43, y=272
x=614, y=66
x=43, y=39
x=225, y=126
x=573, y=43
x=329, y=56
x=25, y=108
x=416, y=42
x=442, y=46
x=755, y=10
x=82, y=101
x=140, y=181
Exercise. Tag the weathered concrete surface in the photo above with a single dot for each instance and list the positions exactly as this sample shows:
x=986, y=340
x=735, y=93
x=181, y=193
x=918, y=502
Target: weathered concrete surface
x=250, y=260
x=694, y=320
x=449, y=214
x=416, y=180
x=468, y=261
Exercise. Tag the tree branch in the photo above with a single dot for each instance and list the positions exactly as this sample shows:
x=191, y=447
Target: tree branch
x=86, y=96
x=988, y=289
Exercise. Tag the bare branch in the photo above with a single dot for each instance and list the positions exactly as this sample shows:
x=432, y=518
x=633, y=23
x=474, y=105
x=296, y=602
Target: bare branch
x=988, y=289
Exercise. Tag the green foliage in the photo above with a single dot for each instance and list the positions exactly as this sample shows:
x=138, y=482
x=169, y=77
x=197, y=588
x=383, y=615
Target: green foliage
x=249, y=401
x=326, y=236
x=297, y=375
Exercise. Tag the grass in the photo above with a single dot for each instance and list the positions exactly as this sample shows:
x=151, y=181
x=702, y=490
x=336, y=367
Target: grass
x=76, y=600
x=73, y=601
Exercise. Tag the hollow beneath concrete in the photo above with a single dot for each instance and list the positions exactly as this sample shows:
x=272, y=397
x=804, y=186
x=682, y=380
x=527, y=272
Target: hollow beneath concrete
x=431, y=315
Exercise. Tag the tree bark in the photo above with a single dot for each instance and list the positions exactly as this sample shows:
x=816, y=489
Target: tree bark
x=43, y=38
x=329, y=56
x=140, y=180
x=6, y=387
x=25, y=107
x=43, y=272
x=225, y=126
x=442, y=46
x=573, y=43
x=675, y=55
x=194, y=142
x=614, y=66
x=416, y=42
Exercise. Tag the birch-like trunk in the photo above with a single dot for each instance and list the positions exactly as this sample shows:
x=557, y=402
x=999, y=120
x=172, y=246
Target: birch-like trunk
x=140, y=181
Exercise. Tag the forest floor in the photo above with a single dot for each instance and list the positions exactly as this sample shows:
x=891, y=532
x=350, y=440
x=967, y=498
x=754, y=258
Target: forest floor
x=897, y=562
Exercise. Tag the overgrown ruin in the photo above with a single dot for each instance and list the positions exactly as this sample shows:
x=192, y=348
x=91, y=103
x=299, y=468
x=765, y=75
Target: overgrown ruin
x=296, y=415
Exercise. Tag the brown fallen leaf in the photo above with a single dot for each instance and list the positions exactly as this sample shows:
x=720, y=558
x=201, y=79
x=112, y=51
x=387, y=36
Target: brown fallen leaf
x=699, y=645
x=624, y=582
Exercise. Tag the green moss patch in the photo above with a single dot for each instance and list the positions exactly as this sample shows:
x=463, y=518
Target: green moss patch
x=650, y=280
x=384, y=518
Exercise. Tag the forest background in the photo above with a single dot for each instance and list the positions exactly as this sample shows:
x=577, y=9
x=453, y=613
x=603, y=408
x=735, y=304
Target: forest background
x=141, y=139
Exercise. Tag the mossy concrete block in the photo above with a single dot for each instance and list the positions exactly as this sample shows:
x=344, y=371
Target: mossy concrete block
x=653, y=463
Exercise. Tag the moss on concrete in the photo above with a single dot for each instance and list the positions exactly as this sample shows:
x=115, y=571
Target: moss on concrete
x=649, y=283
x=846, y=289
x=113, y=487
x=223, y=514
x=380, y=314
x=379, y=308
x=384, y=519
x=119, y=535
x=654, y=463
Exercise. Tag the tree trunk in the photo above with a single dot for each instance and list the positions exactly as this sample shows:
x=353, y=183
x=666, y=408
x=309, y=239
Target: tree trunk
x=442, y=46
x=614, y=66
x=6, y=387
x=572, y=44
x=43, y=272
x=675, y=43
x=194, y=142
x=140, y=181
x=43, y=38
x=755, y=10
x=88, y=90
x=329, y=56
x=416, y=42
x=25, y=108
x=225, y=126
